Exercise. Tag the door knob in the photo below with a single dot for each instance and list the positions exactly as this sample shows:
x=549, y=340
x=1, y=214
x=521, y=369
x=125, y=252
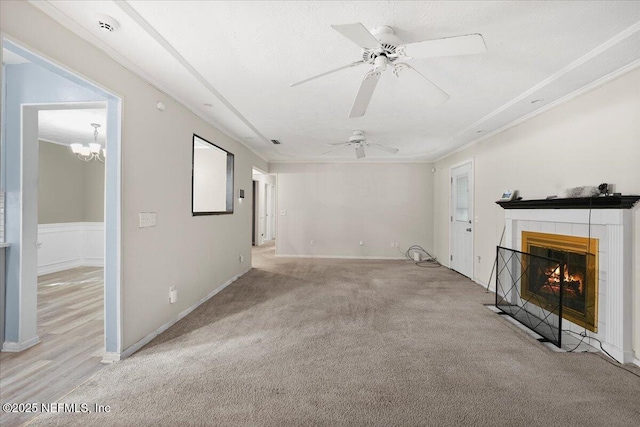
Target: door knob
x=468, y=229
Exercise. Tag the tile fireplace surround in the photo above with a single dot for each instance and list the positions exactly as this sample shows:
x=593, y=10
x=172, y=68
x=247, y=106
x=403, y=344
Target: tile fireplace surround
x=612, y=226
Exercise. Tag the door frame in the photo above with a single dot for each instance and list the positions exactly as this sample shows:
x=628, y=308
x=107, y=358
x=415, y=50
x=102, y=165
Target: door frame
x=272, y=212
x=113, y=200
x=470, y=161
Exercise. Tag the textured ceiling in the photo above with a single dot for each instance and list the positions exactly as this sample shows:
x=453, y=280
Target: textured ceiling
x=71, y=126
x=240, y=57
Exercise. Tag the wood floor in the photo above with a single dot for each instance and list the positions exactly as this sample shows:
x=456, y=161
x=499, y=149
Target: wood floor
x=70, y=326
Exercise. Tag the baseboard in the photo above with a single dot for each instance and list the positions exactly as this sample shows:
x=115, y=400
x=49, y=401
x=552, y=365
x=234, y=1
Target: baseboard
x=636, y=361
x=55, y=267
x=144, y=341
x=109, y=358
x=341, y=257
x=93, y=262
x=15, y=347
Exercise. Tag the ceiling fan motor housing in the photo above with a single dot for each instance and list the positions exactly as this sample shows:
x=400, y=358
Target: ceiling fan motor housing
x=385, y=35
x=357, y=137
x=388, y=43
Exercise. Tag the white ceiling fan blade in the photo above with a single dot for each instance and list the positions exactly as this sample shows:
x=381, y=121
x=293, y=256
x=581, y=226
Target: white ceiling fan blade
x=353, y=64
x=416, y=82
x=459, y=45
x=339, y=143
x=384, y=147
x=359, y=151
x=335, y=149
x=358, y=34
x=364, y=95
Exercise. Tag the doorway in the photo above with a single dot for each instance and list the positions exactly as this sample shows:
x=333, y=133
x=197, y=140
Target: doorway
x=263, y=207
x=39, y=85
x=461, y=230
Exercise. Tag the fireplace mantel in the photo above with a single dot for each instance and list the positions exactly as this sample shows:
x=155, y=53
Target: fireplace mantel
x=607, y=202
x=612, y=226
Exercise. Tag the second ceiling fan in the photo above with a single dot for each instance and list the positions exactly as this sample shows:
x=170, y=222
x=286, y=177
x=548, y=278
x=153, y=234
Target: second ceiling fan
x=359, y=141
x=382, y=48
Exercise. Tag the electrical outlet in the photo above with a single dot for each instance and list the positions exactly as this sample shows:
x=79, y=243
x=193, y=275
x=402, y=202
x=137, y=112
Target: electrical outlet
x=283, y=212
x=241, y=257
x=479, y=259
x=313, y=243
x=397, y=245
x=173, y=294
x=147, y=219
x=393, y=244
x=361, y=243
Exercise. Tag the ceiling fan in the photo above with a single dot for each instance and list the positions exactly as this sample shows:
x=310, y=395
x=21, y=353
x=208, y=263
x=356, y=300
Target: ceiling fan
x=359, y=141
x=382, y=48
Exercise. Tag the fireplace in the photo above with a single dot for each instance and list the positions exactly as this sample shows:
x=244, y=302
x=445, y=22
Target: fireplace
x=609, y=282
x=578, y=258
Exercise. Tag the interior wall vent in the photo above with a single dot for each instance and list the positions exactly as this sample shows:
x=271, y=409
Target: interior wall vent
x=276, y=142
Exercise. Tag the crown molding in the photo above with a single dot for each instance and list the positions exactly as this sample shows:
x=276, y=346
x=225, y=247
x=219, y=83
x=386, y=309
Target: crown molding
x=49, y=9
x=576, y=93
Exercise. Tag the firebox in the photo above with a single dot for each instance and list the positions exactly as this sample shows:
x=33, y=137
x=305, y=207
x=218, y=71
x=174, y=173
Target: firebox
x=579, y=258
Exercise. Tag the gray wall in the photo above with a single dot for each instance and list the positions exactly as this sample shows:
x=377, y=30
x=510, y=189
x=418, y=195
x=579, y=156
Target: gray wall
x=93, y=192
x=338, y=205
x=69, y=190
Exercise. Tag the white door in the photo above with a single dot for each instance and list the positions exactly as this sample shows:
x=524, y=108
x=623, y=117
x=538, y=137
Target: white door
x=461, y=215
x=271, y=232
x=268, y=213
x=263, y=213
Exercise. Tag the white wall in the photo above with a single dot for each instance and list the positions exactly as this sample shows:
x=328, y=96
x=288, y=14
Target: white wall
x=592, y=139
x=196, y=254
x=338, y=205
x=70, y=245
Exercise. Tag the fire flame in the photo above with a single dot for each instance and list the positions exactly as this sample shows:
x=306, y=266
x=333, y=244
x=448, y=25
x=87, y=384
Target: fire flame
x=553, y=280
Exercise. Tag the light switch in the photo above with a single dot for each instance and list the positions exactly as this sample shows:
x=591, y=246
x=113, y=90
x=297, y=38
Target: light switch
x=147, y=219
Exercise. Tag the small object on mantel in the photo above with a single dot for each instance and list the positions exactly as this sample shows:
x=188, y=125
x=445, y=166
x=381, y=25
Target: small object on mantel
x=604, y=189
x=508, y=195
x=584, y=191
x=551, y=197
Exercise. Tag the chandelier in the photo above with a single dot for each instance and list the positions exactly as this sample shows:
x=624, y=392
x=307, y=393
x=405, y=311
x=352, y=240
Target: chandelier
x=92, y=151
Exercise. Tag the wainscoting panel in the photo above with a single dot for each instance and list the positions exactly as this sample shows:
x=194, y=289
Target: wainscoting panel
x=70, y=245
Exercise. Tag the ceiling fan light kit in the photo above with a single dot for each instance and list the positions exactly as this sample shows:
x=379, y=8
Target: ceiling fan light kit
x=381, y=49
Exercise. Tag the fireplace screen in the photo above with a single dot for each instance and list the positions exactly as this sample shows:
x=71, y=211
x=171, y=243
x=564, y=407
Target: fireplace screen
x=579, y=259
x=517, y=275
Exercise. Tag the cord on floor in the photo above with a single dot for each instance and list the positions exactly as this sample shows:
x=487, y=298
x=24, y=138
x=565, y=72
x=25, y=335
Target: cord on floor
x=430, y=261
x=613, y=361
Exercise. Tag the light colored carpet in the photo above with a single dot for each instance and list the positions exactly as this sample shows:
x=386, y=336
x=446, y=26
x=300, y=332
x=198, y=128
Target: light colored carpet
x=344, y=342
